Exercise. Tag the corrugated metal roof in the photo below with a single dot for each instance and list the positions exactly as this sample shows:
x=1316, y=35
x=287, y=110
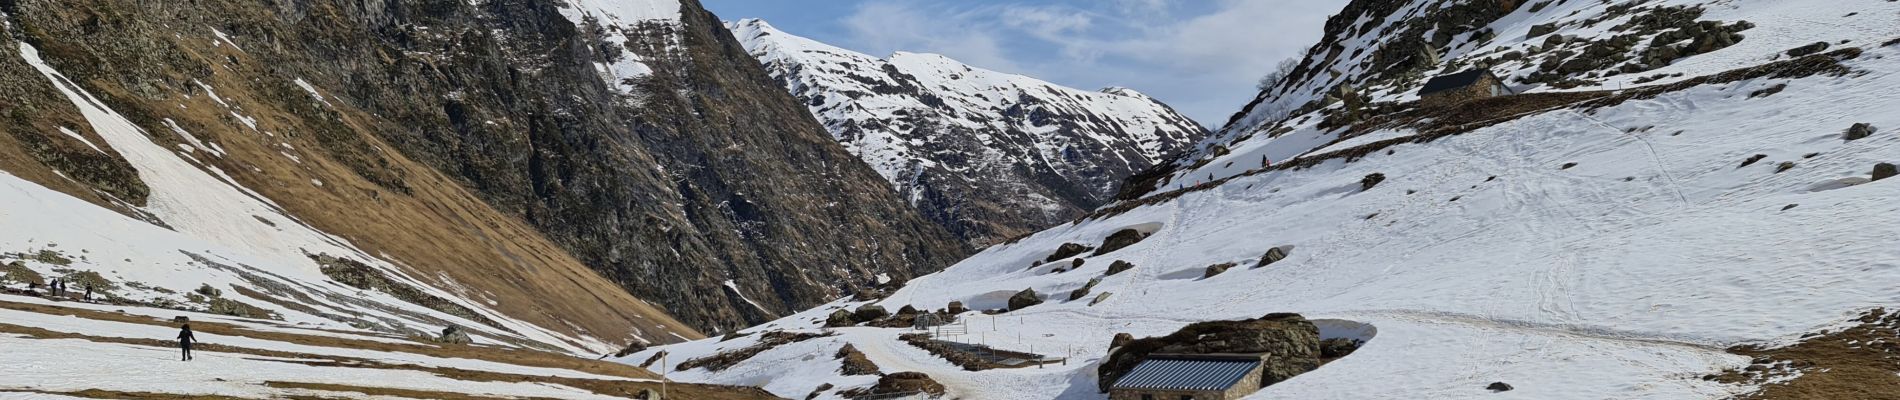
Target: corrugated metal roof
x=1186, y=374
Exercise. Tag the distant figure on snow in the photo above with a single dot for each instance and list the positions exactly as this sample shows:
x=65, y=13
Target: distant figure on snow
x=185, y=340
x=89, y=294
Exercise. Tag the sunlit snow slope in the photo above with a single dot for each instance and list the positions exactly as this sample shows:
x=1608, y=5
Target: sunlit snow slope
x=1603, y=246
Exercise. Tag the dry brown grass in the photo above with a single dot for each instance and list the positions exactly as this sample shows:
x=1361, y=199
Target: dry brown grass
x=120, y=394
x=210, y=330
x=1859, y=362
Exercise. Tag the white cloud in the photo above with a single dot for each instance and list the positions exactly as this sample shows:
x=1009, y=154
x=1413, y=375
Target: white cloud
x=1202, y=58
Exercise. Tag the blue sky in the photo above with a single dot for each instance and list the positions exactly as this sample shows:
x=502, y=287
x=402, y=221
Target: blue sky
x=1200, y=56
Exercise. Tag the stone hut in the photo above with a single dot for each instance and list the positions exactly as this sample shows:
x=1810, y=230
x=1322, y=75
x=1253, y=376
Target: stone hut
x=1449, y=90
x=1190, y=377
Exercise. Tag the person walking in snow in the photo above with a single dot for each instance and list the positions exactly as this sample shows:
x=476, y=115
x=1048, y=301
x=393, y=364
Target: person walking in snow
x=185, y=339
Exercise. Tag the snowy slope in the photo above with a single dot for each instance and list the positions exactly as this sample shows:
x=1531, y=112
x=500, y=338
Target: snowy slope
x=1603, y=47
x=935, y=127
x=1485, y=255
x=218, y=234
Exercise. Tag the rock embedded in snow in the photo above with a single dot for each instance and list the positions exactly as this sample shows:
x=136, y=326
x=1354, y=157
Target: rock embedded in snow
x=1024, y=299
x=840, y=318
x=1065, y=251
x=454, y=334
x=898, y=382
x=1118, y=266
x=1371, y=180
x=1120, y=239
x=1100, y=298
x=854, y=361
x=1499, y=387
x=1784, y=166
x=869, y=312
x=1217, y=269
x=1859, y=131
x=1884, y=171
x=1079, y=293
x=1273, y=255
x=955, y=307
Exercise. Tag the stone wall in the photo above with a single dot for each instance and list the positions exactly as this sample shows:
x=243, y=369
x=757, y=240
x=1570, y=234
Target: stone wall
x=1476, y=90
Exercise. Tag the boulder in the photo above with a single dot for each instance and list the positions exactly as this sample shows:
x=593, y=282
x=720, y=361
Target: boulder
x=840, y=318
x=1371, y=180
x=1024, y=299
x=1859, y=131
x=1784, y=166
x=1077, y=264
x=1884, y=171
x=869, y=312
x=818, y=391
x=1273, y=255
x=454, y=334
x=898, y=382
x=1120, y=239
x=1811, y=48
x=1099, y=298
x=1541, y=30
x=1067, y=250
x=1289, y=340
x=907, y=310
x=1120, y=340
x=1217, y=269
x=1079, y=293
x=1499, y=387
x=635, y=347
x=956, y=307
x=855, y=363
x=647, y=394
x=1118, y=266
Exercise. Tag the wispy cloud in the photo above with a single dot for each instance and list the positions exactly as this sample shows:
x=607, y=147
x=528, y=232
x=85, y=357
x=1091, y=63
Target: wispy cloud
x=1201, y=57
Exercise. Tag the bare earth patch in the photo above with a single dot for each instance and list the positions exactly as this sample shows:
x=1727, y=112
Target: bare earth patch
x=1858, y=362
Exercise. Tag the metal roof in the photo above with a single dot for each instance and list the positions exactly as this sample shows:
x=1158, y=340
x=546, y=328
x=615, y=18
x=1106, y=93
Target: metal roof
x=1453, y=81
x=1187, y=373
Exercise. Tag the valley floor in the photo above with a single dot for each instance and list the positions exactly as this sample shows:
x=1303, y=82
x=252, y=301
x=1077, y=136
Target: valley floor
x=70, y=349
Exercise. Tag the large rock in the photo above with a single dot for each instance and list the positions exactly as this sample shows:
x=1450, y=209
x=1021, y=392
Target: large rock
x=898, y=382
x=869, y=312
x=1120, y=239
x=1290, y=342
x=840, y=318
x=1118, y=266
x=1065, y=251
x=1079, y=293
x=1217, y=269
x=1273, y=255
x=1859, y=131
x=1024, y=299
x=634, y=347
x=854, y=361
x=454, y=334
x=955, y=307
x=1885, y=170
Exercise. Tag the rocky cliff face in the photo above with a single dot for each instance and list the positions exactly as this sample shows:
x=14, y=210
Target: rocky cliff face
x=634, y=138
x=986, y=154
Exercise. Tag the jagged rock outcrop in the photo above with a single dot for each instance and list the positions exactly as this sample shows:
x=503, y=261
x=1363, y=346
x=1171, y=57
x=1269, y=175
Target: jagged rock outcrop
x=988, y=155
x=489, y=143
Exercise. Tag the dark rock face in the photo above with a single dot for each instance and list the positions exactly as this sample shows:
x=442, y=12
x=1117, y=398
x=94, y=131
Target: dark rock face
x=705, y=157
x=1024, y=299
x=1337, y=347
x=1291, y=342
x=1010, y=158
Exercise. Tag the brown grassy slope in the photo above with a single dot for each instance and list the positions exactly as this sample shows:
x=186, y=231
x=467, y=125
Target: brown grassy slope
x=378, y=199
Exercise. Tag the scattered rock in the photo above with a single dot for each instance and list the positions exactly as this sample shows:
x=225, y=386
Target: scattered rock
x=907, y=310
x=1024, y=299
x=635, y=347
x=1120, y=239
x=1065, y=251
x=1217, y=269
x=819, y=391
x=454, y=334
x=840, y=318
x=1884, y=171
x=898, y=382
x=1290, y=342
x=767, y=341
x=1079, y=293
x=1077, y=264
x=1371, y=180
x=1752, y=160
x=855, y=363
x=1499, y=387
x=1569, y=165
x=1859, y=131
x=732, y=335
x=1784, y=167
x=1804, y=51
x=655, y=358
x=869, y=312
x=1099, y=299
x=1118, y=266
x=1790, y=207
x=956, y=307
x=1541, y=30
x=1273, y=255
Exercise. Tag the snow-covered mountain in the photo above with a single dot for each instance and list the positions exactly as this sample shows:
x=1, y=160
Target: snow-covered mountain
x=989, y=155
x=1678, y=179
